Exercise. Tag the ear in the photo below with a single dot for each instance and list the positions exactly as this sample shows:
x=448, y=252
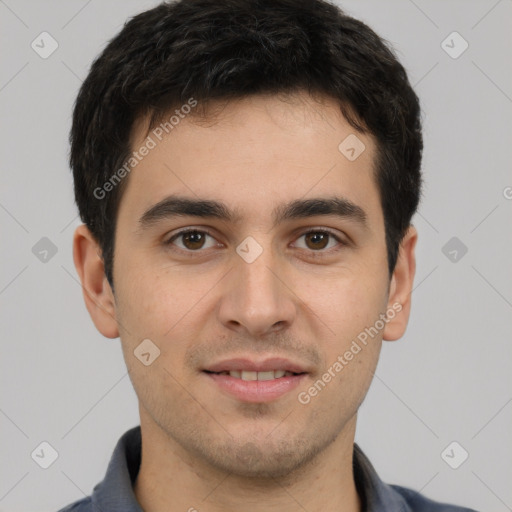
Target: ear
x=98, y=295
x=400, y=288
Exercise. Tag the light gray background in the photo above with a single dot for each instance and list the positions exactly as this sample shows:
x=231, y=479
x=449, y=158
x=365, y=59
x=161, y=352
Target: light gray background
x=448, y=379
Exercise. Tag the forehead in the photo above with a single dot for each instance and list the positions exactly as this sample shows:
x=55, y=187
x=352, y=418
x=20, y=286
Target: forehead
x=253, y=154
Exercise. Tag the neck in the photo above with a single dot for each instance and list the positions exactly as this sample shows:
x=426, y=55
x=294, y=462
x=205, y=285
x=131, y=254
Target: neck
x=172, y=479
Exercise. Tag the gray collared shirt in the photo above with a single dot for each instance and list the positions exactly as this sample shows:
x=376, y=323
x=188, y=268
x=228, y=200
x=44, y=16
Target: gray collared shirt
x=115, y=492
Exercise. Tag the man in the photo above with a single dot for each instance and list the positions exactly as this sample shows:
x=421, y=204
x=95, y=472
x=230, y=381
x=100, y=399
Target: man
x=247, y=172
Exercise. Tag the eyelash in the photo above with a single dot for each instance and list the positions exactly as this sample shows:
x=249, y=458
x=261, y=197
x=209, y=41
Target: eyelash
x=318, y=253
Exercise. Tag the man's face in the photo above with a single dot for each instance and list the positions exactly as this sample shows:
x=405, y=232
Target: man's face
x=289, y=292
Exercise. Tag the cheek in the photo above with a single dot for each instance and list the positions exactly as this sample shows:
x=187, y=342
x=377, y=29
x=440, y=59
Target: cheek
x=161, y=302
x=152, y=309
x=346, y=302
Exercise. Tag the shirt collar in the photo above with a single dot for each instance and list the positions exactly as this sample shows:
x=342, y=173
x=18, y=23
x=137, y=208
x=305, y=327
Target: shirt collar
x=115, y=492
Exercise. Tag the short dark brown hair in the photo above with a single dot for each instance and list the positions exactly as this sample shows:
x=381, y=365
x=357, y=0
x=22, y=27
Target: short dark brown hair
x=226, y=49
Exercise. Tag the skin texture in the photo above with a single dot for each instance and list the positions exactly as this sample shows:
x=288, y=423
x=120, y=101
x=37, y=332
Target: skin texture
x=201, y=447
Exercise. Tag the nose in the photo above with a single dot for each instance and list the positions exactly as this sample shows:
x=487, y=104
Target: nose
x=257, y=299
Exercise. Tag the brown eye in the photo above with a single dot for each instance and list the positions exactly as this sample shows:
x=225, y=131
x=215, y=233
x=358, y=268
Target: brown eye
x=191, y=240
x=318, y=240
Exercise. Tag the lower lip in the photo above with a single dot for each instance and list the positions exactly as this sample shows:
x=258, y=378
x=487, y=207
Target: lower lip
x=256, y=391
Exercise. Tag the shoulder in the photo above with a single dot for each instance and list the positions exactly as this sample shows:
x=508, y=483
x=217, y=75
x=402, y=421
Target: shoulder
x=83, y=505
x=419, y=503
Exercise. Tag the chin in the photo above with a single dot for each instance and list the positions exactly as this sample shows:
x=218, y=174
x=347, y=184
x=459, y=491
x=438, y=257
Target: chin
x=264, y=460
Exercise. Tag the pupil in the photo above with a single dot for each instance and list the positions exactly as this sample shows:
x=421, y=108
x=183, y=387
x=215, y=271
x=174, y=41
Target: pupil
x=317, y=238
x=194, y=239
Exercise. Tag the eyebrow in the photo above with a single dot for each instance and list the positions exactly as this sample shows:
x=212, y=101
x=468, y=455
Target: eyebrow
x=181, y=206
